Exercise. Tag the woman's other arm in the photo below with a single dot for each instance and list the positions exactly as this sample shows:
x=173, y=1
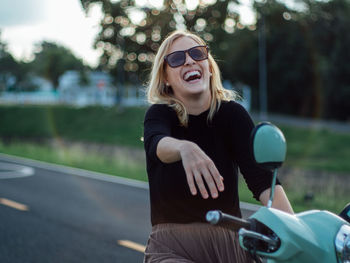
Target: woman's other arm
x=280, y=200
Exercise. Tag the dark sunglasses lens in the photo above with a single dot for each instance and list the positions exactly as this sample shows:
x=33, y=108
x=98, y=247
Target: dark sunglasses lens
x=198, y=53
x=176, y=59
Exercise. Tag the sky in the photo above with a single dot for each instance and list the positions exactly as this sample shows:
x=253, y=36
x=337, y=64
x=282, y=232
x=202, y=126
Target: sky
x=23, y=23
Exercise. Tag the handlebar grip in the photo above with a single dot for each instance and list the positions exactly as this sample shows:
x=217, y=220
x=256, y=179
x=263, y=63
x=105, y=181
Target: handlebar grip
x=216, y=217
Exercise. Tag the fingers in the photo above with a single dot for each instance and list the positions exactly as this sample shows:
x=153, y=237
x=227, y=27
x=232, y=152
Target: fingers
x=217, y=177
x=199, y=168
x=200, y=185
x=208, y=173
x=190, y=182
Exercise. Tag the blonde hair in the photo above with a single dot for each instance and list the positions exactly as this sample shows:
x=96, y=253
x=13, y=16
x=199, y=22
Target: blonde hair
x=159, y=93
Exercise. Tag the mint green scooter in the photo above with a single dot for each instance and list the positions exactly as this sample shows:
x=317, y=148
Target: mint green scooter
x=307, y=237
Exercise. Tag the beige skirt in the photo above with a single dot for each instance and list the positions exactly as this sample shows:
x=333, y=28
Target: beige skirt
x=195, y=242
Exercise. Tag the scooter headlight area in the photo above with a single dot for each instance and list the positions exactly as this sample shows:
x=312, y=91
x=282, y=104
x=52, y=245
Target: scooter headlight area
x=342, y=244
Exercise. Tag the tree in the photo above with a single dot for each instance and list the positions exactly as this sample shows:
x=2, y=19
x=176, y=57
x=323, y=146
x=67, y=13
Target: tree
x=290, y=62
x=7, y=66
x=307, y=50
x=235, y=46
x=330, y=22
x=307, y=54
x=14, y=75
x=288, y=72
x=136, y=40
x=52, y=60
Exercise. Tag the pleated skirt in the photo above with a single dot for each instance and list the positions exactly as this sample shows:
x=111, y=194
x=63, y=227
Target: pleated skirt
x=195, y=242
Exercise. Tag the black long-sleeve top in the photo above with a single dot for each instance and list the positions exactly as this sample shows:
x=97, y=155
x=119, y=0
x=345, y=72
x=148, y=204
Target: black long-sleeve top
x=225, y=140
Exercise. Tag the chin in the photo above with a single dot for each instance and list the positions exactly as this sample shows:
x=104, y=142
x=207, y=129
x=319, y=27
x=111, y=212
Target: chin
x=197, y=90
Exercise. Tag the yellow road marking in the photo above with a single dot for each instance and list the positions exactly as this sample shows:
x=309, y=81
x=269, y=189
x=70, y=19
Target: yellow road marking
x=132, y=245
x=13, y=204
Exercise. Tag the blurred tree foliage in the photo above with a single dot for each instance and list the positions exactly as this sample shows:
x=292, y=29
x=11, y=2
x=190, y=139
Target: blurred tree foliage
x=53, y=60
x=14, y=75
x=133, y=33
x=330, y=23
x=307, y=50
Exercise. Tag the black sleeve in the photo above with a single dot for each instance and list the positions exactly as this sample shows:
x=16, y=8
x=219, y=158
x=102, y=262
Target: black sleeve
x=257, y=179
x=157, y=124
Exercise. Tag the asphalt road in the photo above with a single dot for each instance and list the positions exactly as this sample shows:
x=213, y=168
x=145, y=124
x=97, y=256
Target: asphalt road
x=53, y=214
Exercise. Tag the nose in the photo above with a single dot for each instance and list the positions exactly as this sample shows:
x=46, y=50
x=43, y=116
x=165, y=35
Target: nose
x=189, y=60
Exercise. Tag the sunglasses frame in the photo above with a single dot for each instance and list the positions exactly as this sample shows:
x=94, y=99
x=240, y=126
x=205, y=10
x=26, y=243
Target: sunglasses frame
x=187, y=51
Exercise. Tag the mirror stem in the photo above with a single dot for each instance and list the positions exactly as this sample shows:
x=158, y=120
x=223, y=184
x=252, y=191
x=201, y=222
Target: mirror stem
x=273, y=184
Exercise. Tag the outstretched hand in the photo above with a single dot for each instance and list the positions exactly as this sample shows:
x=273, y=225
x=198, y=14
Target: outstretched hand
x=198, y=167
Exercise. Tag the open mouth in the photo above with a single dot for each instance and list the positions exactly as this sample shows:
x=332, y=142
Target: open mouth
x=192, y=75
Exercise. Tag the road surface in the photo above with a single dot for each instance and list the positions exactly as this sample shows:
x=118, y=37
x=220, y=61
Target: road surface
x=51, y=213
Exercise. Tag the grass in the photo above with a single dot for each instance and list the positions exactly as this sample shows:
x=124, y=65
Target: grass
x=329, y=194
x=319, y=150
x=310, y=151
x=115, y=164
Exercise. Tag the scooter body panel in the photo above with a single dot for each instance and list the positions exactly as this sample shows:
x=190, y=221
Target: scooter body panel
x=305, y=237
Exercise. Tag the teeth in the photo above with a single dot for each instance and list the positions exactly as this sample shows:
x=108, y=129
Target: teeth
x=191, y=74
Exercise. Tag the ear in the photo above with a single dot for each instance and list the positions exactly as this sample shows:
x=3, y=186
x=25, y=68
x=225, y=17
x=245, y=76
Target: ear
x=165, y=80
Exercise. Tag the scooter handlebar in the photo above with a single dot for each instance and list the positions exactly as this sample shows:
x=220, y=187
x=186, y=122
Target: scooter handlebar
x=216, y=217
x=273, y=243
x=249, y=230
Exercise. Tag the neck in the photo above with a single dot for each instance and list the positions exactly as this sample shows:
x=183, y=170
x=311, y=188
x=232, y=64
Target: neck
x=197, y=104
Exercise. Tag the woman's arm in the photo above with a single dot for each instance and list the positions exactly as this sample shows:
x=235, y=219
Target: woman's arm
x=280, y=200
x=196, y=163
x=168, y=150
x=257, y=179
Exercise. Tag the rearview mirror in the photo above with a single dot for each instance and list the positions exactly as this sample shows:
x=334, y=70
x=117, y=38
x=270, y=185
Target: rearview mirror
x=269, y=146
x=269, y=149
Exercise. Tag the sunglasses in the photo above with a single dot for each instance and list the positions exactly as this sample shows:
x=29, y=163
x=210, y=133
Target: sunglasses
x=178, y=58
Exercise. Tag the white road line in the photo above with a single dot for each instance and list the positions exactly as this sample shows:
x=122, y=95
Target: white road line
x=77, y=171
x=13, y=204
x=132, y=245
x=10, y=170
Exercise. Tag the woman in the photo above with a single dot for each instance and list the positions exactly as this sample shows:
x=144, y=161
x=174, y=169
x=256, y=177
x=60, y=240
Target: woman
x=195, y=139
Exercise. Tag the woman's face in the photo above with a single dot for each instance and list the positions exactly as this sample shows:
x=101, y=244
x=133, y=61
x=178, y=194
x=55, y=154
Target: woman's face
x=192, y=78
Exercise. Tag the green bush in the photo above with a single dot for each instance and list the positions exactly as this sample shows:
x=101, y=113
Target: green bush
x=96, y=124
